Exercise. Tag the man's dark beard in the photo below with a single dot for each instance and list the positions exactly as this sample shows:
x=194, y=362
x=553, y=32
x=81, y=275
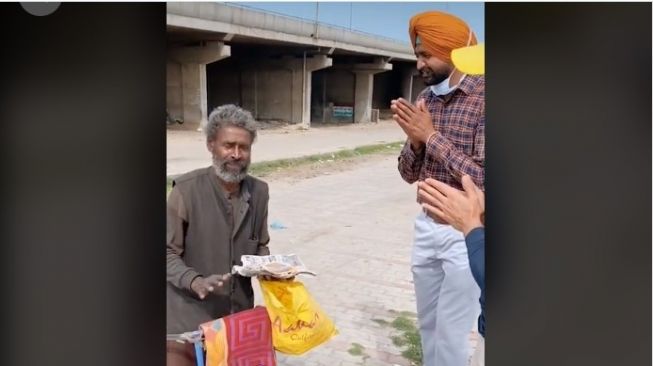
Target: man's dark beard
x=434, y=77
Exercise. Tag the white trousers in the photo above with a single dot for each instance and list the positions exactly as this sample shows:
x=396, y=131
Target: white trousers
x=446, y=293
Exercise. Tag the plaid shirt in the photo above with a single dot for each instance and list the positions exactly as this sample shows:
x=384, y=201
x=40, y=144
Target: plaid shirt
x=458, y=145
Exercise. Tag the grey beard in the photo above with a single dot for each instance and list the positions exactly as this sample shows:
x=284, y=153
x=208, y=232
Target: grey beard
x=226, y=175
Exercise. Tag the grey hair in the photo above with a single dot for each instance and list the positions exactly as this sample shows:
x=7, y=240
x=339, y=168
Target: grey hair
x=229, y=115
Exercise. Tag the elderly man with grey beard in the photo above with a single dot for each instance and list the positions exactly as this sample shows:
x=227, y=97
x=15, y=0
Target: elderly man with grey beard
x=215, y=215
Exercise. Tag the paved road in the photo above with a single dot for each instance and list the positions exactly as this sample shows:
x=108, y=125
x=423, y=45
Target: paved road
x=186, y=150
x=355, y=229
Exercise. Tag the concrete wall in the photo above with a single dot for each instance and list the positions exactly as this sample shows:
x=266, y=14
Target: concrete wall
x=336, y=86
x=273, y=99
x=340, y=87
x=174, y=95
x=318, y=96
x=223, y=83
x=266, y=93
x=387, y=86
x=271, y=91
x=340, y=90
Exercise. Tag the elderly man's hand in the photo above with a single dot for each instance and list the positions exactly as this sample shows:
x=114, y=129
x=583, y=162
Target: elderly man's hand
x=414, y=120
x=461, y=209
x=203, y=286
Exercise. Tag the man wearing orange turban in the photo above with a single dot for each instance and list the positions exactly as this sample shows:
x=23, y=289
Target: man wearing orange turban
x=446, y=140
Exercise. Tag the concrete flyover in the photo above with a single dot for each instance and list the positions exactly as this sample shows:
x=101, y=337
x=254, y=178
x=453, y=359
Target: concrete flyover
x=279, y=67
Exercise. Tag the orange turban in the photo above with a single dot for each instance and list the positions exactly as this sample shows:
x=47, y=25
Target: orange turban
x=440, y=33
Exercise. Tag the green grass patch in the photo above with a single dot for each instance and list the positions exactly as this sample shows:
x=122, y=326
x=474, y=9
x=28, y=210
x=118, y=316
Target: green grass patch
x=356, y=350
x=408, y=314
x=403, y=324
x=398, y=341
x=264, y=168
x=381, y=322
x=407, y=337
x=413, y=351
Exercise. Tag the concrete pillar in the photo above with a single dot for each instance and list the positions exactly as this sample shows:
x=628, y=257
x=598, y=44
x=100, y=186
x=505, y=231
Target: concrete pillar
x=297, y=106
x=302, y=73
x=364, y=87
x=193, y=62
x=174, y=94
x=193, y=91
x=407, y=84
x=363, y=96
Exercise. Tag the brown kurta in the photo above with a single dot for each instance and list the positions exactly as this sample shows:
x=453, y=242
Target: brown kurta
x=203, y=239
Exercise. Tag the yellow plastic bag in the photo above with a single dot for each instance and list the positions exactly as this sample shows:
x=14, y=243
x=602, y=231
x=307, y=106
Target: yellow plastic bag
x=298, y=323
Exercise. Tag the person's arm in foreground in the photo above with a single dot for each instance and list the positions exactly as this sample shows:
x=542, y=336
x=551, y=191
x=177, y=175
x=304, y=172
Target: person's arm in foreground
x=463, y=211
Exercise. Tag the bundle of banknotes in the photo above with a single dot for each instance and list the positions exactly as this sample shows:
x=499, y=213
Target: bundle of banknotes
x=277, y=266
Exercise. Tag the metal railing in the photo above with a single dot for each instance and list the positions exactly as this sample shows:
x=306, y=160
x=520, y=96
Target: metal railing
x=246, y=16
x=324, y=24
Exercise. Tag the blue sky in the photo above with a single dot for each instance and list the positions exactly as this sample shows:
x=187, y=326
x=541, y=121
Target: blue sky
x=389, y=19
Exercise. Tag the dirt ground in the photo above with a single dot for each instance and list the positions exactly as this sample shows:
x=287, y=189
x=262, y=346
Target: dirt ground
x=186, y=149
x=327, y=167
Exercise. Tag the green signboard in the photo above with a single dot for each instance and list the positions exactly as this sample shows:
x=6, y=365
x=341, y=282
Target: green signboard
x=343, y=112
